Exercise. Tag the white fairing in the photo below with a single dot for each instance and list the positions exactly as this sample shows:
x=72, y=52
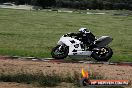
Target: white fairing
x=73, y=46
x=66, y=41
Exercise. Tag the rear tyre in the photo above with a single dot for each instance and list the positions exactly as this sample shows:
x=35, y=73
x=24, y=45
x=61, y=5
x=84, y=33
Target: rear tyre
x=60, y=52
x=104, y=54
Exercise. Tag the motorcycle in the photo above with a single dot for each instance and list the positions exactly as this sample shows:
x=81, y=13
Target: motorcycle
x=71, y=46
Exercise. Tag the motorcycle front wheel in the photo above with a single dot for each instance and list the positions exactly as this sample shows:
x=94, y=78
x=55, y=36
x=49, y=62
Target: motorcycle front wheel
x=104, y=54
x=60, y=52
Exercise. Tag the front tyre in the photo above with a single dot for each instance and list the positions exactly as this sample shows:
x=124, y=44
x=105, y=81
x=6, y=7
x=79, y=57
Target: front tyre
x=60, y=52
x=104, y=54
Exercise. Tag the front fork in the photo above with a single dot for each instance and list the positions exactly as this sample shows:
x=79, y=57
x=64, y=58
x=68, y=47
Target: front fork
x=60, y=47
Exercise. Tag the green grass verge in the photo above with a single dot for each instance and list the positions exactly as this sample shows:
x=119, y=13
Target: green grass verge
x=35, y=33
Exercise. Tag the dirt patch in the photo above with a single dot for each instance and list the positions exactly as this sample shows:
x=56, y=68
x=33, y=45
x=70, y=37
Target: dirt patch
x=15, y=85
x=20, y=85
x=114, y=72
x=108, y=71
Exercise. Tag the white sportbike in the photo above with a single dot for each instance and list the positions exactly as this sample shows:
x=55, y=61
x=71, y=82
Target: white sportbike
x=70, y=46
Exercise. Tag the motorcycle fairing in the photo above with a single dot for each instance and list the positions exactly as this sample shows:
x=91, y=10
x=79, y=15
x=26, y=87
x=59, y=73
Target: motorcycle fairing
x=73, y=46
x=103, y=41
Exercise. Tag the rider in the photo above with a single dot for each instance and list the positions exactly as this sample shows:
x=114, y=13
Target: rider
x=85, y=36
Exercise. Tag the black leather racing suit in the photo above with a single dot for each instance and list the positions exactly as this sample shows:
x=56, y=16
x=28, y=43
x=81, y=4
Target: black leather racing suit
x=85, y=38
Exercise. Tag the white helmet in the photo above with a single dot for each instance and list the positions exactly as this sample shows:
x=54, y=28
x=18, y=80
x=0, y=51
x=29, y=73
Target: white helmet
x=84, y=30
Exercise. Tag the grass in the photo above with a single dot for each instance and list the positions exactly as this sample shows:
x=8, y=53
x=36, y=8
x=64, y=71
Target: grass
x=35, y=33
x=50, y=80
x=36, y=79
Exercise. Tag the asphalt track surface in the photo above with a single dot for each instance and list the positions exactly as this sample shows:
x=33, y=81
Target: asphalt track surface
x=64, y=61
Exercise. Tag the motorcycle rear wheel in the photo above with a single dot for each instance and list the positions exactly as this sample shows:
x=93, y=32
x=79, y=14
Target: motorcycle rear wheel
x=99, y=56
x=60, y=53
